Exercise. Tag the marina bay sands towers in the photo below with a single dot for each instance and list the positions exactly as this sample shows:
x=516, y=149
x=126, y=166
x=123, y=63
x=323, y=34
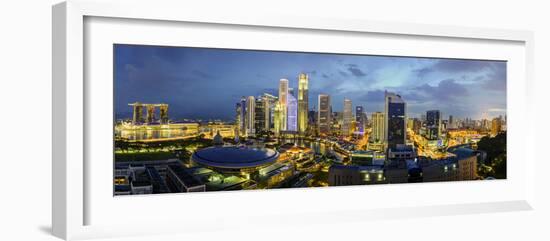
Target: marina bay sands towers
x=139, y=108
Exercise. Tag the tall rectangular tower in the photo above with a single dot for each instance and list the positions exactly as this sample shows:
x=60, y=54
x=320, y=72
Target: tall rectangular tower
x=269, y=105
x=395, y=118
x=242, y=127
x=433, y=124
x=250, y=116
x=292, y=112
x=303, y=98
x=259, y=113
x=283, y=101
x=324, y=114
x=348, y=117
x=378, y=127
x=239, y=121
x=163, y=113
x=360, y=119
x=138, y=113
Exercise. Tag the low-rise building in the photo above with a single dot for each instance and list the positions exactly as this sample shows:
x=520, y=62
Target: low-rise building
x=404, y=152
x=141, y=182
x=182, y=181
x=368, y=158
x=372, y=174
x=341, y=175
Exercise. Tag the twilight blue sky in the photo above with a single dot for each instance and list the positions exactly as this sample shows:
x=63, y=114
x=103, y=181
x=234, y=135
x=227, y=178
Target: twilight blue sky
x=206, y=83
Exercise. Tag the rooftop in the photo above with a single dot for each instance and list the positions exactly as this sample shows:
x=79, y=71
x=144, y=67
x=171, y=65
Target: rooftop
x=234, y=157
x=463, y=152
x=185, y=176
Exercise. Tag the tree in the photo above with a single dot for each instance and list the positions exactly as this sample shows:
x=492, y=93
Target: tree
x=496, y=153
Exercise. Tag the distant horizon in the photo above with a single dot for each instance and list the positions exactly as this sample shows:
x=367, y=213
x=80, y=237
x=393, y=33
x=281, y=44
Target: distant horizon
x=205, y=83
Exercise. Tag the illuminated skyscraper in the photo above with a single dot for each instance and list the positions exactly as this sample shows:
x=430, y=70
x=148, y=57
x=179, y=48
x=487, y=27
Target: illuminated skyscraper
x=138, y=113
x=378, y=127
x=283, y=100
x=395, y=118
x=163, y=108
x=150, y=114
x=269, y=105
x=348, y=117
x=250, y=116
x=433, y=124
x=303, y=99
x=496, y=126
x=277, y=118
x=292, y=112
x=239, y=120
x=259, y=113
x=324, y=114
x=360, y=119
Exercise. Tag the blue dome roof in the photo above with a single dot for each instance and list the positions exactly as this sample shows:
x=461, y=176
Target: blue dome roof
x=234, y=157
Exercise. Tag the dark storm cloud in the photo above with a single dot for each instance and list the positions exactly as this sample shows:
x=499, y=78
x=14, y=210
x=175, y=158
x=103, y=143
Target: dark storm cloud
x=373, y=95
x=355, y=71
x=415, y=96
x=342, y=73
x=423, y=71
x=454, y=66
x=446, y=89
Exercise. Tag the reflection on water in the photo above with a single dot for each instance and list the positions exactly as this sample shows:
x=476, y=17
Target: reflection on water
x=146, y=134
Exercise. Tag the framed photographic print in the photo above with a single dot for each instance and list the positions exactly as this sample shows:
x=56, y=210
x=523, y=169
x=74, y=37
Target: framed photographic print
x=201, y=121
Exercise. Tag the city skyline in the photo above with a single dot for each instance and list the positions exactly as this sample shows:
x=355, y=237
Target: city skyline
x=218, y=78
x=220, y=120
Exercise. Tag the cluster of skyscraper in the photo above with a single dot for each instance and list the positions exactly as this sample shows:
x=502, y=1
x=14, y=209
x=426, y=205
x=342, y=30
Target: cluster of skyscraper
x=289, y=113
x=286, y=113
x=432, y=125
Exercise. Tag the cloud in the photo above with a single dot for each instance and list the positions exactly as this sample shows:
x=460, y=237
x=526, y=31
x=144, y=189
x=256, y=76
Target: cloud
x=355, y=71
x=373, y=96
x=454, y=66
x=445, y=90
x=496, y=78
x=415, y=96
x=422, y=72
x=342, y=73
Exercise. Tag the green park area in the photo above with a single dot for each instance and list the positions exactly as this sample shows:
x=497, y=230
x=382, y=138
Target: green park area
x=126, y=150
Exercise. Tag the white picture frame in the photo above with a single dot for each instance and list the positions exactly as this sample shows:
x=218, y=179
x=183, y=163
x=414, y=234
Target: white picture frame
x=73, y=192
